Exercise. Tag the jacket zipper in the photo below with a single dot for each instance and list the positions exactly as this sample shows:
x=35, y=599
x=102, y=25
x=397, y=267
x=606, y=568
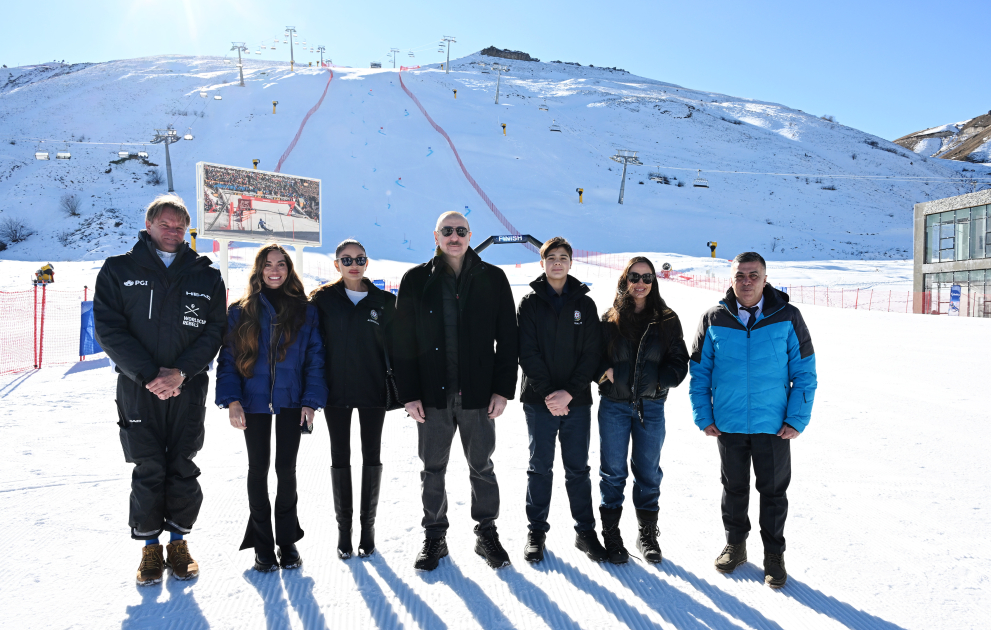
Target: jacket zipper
x=457, y=298
x=151, y=296
x=636, y=365
x=272, y=350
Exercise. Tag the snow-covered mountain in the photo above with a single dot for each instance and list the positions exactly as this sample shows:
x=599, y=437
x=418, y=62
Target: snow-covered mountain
x=966, y=141
x=781, y=181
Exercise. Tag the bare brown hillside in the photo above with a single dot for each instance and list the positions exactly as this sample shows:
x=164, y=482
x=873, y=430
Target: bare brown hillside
x=967, y=141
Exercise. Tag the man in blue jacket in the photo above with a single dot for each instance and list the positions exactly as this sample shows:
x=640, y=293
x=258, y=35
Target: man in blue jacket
x=753, y=382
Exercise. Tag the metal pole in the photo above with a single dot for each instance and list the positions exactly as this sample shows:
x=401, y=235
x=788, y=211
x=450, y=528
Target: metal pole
x=622, y=186
x=222, y=259
x=240, y=66
x=168, y=164
x=498, y=80
x=447, y=68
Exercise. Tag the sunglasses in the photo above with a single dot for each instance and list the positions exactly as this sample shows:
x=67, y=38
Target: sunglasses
x=447, y=230
x=634, y=278
x=347, y=261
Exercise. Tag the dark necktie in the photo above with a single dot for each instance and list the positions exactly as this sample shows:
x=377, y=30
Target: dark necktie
x=753, y=316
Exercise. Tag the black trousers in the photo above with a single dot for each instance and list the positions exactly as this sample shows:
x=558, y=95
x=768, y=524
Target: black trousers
x=161, y=437
x=771, y=458
x=339, y=425
x=258, y=440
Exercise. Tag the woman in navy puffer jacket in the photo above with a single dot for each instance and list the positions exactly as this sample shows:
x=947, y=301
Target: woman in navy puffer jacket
x=272, y=362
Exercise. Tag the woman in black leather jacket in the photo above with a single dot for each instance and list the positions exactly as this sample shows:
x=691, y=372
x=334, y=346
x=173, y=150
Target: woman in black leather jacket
x=644, y=354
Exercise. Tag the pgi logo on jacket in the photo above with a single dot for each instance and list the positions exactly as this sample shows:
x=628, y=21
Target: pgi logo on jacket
x=578, y=317
x=191, y=318
x=131, y=283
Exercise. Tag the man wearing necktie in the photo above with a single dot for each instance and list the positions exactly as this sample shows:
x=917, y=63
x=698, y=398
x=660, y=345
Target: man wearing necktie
x=753, y=380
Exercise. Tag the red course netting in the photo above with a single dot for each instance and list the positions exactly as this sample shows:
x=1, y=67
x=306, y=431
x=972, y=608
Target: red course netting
x=292, y=145
x=41, y=327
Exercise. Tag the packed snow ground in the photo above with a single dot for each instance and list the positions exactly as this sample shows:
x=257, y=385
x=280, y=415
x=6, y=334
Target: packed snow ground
x=386, y=171
x=887, y=527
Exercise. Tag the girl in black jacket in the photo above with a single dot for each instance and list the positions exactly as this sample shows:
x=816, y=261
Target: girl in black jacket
x=644, y=354
x=354, y=316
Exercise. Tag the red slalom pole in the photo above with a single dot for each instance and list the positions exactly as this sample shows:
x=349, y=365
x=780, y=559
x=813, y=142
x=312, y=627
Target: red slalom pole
x=41, y=342
x=36, y=327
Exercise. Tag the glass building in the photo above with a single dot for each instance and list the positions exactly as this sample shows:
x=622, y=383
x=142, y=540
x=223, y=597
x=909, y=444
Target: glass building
x=953, y=256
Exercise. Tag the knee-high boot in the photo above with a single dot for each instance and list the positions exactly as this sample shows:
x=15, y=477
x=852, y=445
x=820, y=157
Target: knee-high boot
x=371, y=481
x=340, y=480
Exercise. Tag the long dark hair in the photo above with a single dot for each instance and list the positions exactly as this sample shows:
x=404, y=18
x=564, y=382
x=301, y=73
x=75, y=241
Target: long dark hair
x=623, y=312
x=289, y=318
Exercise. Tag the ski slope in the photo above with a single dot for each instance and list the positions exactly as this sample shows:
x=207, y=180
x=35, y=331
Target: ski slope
x=887, y=526
x=386, y=172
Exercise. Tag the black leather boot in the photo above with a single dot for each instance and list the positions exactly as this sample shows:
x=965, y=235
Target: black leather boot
x=647, y=539
x=371, y=481
x=611, y=538
x=340, y=481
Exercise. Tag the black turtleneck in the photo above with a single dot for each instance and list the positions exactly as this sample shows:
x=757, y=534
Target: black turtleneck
x=275, y=297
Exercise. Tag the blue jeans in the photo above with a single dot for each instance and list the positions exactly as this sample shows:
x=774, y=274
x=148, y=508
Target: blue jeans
x=574, y=431
x=618, y=424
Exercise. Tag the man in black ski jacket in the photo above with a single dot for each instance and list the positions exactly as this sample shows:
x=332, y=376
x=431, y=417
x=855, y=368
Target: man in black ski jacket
x=559, y=351
x=160, y=313
x=455, y=342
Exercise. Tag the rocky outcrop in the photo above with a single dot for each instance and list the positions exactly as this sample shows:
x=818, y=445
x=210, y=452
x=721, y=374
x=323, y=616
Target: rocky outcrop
x=492, y=51
x=955, y=142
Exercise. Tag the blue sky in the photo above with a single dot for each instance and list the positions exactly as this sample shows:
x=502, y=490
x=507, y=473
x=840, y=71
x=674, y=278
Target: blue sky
x=888, y=68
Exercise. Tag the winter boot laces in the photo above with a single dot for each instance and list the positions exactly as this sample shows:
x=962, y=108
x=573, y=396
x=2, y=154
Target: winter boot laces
x=534, y=549
x=775, y=575
x=152, y=565
x=731, y=557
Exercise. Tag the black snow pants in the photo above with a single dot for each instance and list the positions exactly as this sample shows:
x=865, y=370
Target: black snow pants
x=161, y=437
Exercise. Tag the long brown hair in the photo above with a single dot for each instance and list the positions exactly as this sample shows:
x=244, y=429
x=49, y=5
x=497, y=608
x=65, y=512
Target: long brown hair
x=623, y=312
x=289, y=318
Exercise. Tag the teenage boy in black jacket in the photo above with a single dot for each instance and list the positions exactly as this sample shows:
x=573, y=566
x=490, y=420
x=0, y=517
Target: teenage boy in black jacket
x=160, y=314
x=559, y=352
x=455, y=343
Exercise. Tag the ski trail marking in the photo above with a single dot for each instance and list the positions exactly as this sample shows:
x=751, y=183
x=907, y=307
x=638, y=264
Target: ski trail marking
x=431, y=151
x=292, y=145
x=471, y=180
x=388, y=206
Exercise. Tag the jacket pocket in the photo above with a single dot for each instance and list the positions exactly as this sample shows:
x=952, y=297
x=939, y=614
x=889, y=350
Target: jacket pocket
x=121, y=418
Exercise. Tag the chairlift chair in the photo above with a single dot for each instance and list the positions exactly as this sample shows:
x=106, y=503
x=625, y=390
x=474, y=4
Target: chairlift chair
x=143, y=154
x=203, y=94
x=189, y=134
x=700, y=182
x=123, y=154
x=63, y=155
x=555, y=126
x=218, y=98
x=41, y=155
x=543, y=108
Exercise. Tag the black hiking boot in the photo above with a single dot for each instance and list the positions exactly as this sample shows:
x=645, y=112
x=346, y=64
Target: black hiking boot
x=371, y=481
x=289, y=557
x=534, y=549
x=340, y=481
x=775, y=575
x=647, y=539
x=433, y=550
x=488, y=546
x=588, y=543
x=611, y=537
x=265, y=561
x=731, y=557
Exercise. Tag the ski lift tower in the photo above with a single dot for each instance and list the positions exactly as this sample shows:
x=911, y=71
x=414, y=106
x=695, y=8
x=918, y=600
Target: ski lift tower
x=290, y=33
x=449, y=39
x=393, y=51
x=626, y=157
x=239, y=46
x=166, y=136
x=499, y=70
x=321, y=50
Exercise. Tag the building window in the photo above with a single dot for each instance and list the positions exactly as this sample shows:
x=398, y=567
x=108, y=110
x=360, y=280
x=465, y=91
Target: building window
x=963, y=234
